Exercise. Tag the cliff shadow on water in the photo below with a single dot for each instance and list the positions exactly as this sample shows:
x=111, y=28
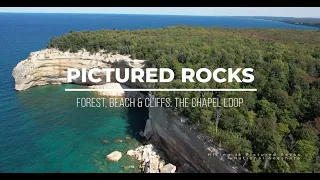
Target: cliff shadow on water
x=137, y=117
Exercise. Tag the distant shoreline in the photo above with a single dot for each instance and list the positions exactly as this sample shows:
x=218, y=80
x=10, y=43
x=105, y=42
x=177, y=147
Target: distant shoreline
x=255, y=17
x=307, y=22
x=311, y=22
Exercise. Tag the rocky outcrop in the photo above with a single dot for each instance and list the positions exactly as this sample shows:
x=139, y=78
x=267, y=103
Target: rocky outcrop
x=114, y=156
x=168, y=168
x=151, y=159
x=49, y=66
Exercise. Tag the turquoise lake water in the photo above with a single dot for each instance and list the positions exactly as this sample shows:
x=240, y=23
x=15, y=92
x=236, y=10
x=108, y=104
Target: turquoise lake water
x=41, y=129
x=47, y=132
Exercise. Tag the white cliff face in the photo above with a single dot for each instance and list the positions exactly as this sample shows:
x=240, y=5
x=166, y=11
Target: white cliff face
x=49, y=66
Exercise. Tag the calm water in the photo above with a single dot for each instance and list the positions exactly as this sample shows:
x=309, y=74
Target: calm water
x=41, y=130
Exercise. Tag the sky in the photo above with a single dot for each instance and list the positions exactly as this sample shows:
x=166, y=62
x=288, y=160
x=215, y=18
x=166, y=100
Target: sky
x=201, y=11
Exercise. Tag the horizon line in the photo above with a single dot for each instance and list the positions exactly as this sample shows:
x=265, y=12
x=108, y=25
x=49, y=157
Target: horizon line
x=154, y=14
x=168, y=90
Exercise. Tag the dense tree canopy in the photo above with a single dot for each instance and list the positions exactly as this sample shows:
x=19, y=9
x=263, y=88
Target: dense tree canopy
x=282, y=117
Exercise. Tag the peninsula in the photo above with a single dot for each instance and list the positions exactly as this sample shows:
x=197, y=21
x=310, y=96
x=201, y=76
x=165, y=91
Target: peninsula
x=281, y=118
x=314, y=22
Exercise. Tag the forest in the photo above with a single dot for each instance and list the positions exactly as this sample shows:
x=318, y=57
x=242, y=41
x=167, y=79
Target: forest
x=282, y=116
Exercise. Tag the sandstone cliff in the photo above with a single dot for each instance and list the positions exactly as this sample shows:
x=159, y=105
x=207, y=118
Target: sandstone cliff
x=164, y=128
x=186, y=147
x=49, y=66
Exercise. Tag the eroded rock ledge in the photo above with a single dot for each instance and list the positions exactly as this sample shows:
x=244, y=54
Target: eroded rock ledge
x=49, y=66
x=151, y=160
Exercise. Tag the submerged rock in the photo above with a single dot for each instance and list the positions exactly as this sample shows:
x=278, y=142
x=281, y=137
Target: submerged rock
x=104, y=141
x=114, y=156
x=128, y=167
x=128, y=138
x=118, y=141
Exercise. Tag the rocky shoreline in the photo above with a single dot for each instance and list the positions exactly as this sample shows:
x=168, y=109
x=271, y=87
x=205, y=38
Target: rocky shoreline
x=164, y=129
x=150, y=160
x=49, y=66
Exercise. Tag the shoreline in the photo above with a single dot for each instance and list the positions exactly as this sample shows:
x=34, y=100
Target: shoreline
x=150, y=158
